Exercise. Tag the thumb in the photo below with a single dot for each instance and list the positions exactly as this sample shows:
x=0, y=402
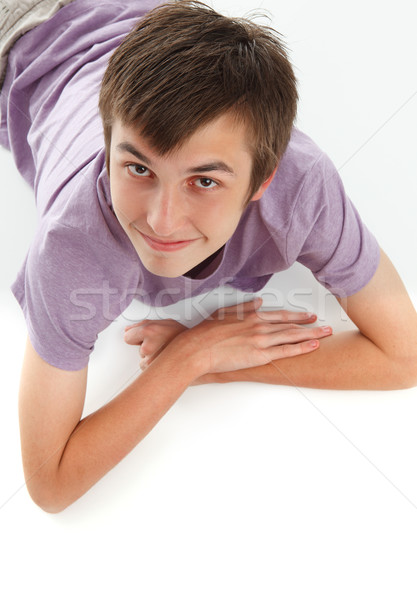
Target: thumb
x=133, y=336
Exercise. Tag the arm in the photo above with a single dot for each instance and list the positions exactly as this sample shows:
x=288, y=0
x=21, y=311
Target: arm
x=64, y=456
x=380, y=354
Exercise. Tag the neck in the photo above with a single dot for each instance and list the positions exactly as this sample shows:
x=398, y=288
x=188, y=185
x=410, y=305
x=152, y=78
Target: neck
x=198, y=269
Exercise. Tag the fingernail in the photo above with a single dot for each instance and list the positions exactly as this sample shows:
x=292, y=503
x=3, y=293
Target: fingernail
x=313, y=343
x=326, y=329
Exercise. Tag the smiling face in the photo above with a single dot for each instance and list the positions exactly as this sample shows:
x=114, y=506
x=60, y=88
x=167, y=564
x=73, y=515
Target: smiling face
x=178, y=209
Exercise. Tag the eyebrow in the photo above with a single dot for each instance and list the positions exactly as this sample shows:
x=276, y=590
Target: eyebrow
x=126, y=147
x=216, y=165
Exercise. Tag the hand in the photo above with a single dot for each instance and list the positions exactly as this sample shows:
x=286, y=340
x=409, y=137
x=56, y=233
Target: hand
x=241, y=336
x=152, y=336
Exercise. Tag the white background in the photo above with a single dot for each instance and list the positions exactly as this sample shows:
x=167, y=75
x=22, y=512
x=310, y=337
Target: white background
x=248, y=490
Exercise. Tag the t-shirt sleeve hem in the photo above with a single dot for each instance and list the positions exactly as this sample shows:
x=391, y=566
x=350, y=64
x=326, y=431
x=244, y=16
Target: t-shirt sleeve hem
x=64, y=363
x=349, y=288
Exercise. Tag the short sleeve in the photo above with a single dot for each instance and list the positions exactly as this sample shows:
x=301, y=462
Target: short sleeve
x=67, y=296
x=327, y=235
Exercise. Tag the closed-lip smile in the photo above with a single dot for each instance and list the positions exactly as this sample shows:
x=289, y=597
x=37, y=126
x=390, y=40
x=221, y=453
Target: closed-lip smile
x=165, y=245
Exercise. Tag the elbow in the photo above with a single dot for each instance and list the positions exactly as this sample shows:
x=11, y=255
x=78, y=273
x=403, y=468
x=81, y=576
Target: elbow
x=50, y=489
x=47, y=499
x=50, y=508
x=410, y=379
x=48, y=505
x=405, y=373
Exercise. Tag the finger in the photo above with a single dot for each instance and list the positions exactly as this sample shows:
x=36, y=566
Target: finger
x=290, y=350
x=134, y=336
x=274, y=327
x=150, y=346
x=286, y=316
x=133, y=325
x=250, y=305
x=294, y=335
x=242, y=307
x=144, y=363
x=147, y=360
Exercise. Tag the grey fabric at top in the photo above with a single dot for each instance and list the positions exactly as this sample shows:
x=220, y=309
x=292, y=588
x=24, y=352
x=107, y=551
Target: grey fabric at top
x=19, y=16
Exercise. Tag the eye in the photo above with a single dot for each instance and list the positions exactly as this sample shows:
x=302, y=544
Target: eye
x=139, y=170
x=205, y=183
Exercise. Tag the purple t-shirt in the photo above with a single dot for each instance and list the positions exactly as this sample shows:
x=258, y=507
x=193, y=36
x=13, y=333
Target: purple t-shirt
x=81, y=270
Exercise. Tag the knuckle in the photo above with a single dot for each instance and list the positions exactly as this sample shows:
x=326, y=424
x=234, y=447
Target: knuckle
x=288, y=350
x=257, y=340
x=258, y=328
x=291, y=333
x=151, y=328
x=284, y=350
x=293, y=349
x=297, y=332
x=253, y=317
x=145, y=348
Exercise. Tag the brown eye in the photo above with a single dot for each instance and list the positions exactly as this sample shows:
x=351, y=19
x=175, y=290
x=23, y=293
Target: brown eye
x=205, y=182
x=139, y=170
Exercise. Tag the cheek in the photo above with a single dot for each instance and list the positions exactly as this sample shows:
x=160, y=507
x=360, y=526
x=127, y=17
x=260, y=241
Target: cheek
x=223, y=223
x=124, y=201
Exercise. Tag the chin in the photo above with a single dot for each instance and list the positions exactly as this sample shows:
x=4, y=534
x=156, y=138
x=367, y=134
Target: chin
x=168, y=272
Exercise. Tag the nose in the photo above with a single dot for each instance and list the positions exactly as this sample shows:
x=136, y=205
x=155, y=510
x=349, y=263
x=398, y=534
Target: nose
x=165, y=212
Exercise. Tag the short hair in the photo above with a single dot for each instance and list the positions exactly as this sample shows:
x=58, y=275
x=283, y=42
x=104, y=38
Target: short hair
x=184, y=65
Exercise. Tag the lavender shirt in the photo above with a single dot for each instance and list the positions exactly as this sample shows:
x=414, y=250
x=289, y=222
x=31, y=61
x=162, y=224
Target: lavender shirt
x=80, y=253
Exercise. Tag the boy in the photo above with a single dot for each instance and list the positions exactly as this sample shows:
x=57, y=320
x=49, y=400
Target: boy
x=202, y=179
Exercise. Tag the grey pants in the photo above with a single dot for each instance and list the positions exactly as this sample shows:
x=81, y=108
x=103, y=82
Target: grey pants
x=19, y=16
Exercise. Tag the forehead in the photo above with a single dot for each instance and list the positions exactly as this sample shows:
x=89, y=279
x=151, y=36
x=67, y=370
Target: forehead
x=223, y=137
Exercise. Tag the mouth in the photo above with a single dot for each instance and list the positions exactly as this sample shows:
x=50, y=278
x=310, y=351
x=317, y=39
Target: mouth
x=169, y=246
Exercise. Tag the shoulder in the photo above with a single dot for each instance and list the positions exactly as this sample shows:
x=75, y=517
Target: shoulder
x=80, y=210
x=297, y=188
x=76, y=251
x=75, y=282
x=79, y=240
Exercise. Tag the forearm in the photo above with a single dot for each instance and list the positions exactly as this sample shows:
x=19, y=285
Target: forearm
x=102, y=439
x=63, y=456
x=346, y=360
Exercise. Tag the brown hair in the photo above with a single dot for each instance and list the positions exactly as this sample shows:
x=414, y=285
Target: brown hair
x=184, y=64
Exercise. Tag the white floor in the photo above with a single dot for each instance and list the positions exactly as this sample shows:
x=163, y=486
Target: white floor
x=248, y=491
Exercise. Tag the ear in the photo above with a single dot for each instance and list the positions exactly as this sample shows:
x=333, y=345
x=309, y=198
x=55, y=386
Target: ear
x=261, y=190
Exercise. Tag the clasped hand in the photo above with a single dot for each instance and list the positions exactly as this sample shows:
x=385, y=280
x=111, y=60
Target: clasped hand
x=231, y=338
